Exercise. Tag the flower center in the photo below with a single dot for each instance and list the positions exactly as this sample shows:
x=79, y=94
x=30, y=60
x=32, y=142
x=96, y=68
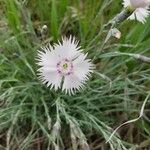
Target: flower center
x=65, y=67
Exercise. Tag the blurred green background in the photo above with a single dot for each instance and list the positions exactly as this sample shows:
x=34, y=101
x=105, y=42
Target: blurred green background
x=33, y=117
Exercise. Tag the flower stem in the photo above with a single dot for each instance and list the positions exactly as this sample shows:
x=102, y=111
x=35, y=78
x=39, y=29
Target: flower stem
x=122, y=16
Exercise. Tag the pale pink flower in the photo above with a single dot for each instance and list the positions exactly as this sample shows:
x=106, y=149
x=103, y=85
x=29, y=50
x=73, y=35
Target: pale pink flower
x=64, y=66
x=140, y=9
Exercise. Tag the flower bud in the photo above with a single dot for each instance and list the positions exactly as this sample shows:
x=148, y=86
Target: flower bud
x=116, y=33
x=85, y=146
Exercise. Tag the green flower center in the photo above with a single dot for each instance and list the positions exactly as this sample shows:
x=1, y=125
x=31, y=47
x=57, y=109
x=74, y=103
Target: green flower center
x=65, y=66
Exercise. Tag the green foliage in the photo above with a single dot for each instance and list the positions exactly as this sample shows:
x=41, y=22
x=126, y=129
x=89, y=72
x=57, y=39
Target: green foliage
x=32, y=115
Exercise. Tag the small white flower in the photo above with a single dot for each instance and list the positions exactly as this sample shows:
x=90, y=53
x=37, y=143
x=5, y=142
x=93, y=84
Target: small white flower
x=140, y=8
x=64, y=66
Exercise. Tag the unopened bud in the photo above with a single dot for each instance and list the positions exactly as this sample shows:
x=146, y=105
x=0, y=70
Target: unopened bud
x=85, y=146
x=56, y=129
x=57, y=126
x=49, y=122
x=44, y=30
x=116, y=33
x=44, y=27
x=57, y=147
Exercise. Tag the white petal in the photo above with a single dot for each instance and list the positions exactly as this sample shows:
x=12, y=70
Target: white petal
x=126, y=3
x=141, y=9
x=53, y=79
x=68, y=49
x=140, y=3
x=140, y=14
x=82, y=67
x=71, y=84
x=47, y=58
x=136, y=3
